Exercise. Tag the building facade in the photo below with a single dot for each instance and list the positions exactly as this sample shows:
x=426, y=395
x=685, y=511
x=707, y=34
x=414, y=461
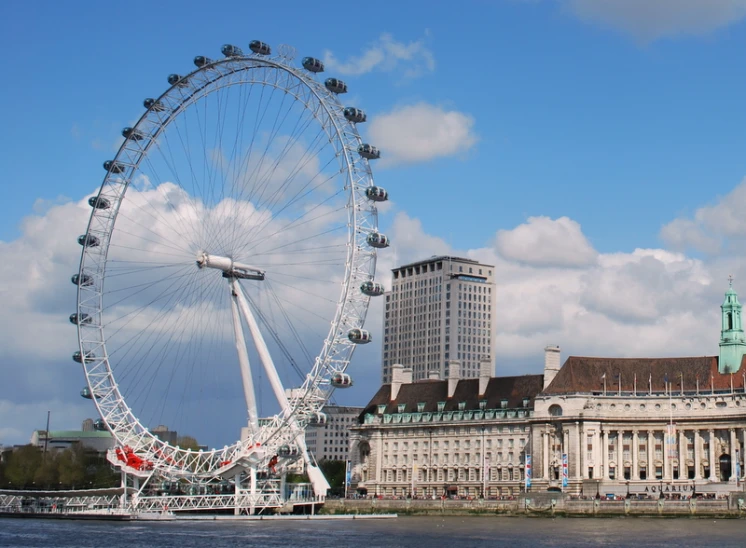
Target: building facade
x=439, y=310
x=592, y=427
x=331, y=441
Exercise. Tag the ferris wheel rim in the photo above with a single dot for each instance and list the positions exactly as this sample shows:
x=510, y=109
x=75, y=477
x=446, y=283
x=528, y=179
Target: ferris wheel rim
x=125, y=426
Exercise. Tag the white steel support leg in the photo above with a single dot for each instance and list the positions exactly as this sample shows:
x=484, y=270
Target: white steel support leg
x=243, y=360
x=314, y=473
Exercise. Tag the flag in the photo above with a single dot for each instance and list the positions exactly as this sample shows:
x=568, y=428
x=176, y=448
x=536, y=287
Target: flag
x=564, y=470
x=650, y=383
x=528, y=471
x=634, y=383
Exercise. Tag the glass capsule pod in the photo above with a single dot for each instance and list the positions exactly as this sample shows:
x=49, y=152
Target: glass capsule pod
x=230, y=50
x=99, y=425
x=312, y=64
x=82, y=280
x=81, y=319
x=354, y=115
x=200, y=61
x=317, y=419
x=369, y=152
x=78, y=357
x=372, y=289
x=152, y=104
x=177, y=80
x=341, y=380
x=260, y=47
x=359, y=336
x=99, y=202
x=377, y=193
x=335, y=85
x=87, y=393
x=88, y=240
x=130, y=133
x=113, y=167
x=286, y=451
x=378, y=240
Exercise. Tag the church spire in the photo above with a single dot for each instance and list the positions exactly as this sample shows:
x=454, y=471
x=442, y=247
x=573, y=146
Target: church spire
x=732, y=341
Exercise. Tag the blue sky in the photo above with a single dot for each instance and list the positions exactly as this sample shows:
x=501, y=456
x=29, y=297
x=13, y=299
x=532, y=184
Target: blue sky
x=593, y=151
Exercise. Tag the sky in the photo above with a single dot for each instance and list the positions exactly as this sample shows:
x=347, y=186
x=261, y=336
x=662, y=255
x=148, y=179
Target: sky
x=593, y=151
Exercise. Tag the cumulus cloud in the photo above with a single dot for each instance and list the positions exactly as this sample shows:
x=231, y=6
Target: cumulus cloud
x=421, y=132
x=546, y=242
x=386, y=54
x=712, y=226
x=648, y=20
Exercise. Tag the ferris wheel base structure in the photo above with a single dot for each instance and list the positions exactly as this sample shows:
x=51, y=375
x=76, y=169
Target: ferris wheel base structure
x=280, y=203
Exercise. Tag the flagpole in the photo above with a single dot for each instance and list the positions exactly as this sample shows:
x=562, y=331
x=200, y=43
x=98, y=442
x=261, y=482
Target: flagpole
x=682, y=382
x=635, y=384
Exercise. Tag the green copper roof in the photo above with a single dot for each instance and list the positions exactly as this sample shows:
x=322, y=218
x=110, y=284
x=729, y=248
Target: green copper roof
x=76, y=434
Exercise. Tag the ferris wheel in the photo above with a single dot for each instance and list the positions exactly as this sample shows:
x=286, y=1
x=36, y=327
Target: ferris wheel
x=230, y=255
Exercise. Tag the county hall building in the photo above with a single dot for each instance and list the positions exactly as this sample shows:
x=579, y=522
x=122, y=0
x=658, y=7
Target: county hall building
x=592, y=426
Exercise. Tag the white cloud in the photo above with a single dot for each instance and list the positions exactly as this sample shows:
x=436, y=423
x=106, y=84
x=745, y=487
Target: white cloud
x=385, y=55
x=421, y=132
x=648, y=20
x=546, y=242
x=711, y=226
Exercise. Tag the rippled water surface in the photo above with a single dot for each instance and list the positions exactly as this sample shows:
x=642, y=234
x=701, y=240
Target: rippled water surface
x=405, y=531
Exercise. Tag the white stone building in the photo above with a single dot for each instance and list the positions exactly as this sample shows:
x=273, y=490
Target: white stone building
x=439, y=310
x=331, y=441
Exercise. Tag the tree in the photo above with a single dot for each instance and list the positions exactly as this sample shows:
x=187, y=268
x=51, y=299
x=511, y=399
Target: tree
x=334, y=470
x=22, y=466
x=72, y=467
x=187, y=442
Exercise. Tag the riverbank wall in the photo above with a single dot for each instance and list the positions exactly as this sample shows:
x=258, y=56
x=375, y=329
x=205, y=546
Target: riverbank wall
x=547, y=505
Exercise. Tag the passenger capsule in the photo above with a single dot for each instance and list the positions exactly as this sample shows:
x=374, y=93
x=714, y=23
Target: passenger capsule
x=87, y=393
x=99, y=425
x=231, y=51
x=376, y=239
x=341, y=380
x=78, y=357
x=286, y=451
x=260, y=47
x=372, y=289
x=377, y=193
x=200, y=61
x=312, y=64
x=82, y=280
x=317, y=419
x=369, y=152
x=88, y=240
x=133, y=134
x=355, y=115
x=359, y=336
x=335, y=85
x=113, y=167
x=80, y=319
x=99, y=202
x=152, y=104
x=177, y=80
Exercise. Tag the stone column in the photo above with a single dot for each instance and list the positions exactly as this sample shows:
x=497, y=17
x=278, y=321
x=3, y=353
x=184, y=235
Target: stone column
x=697, y=456
x=620, y=455
x=566, y=448
x=651, y=455
x=712, y=455
x=667, y=460
x=579, y=457
x=743, y=457
x=597, y=458
x=733, y=455
x=635, y=475
x=682, y=455
x=605, y=454
x=545, y=455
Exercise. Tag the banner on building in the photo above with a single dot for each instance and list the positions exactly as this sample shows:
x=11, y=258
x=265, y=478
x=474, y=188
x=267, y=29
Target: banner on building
x=673, y=451
x=528, y=471
x=738, y=465
x=564, y=470
x=348, y=473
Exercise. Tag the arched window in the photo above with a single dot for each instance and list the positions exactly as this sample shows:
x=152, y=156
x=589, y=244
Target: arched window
x=555, y=410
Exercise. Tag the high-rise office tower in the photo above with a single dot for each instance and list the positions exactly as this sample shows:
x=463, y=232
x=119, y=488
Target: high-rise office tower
x=437, y=311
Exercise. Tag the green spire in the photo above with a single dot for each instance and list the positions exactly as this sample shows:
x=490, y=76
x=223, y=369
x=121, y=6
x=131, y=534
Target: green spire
x=732, y=341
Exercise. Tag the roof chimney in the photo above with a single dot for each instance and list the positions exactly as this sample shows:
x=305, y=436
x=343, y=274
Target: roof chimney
x=454, y=375
x=399, y=375
x=485, y=372
x=433, y=375
x=551, y=363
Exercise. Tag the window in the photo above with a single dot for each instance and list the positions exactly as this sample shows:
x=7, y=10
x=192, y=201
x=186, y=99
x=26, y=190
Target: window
x=441, y=405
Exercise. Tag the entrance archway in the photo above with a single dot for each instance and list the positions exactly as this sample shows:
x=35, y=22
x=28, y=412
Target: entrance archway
x=725, y=467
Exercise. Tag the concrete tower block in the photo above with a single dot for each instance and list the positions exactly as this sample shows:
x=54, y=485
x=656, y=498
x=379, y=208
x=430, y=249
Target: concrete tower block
x=454, y=375
x=551, y=363
x=485, y=373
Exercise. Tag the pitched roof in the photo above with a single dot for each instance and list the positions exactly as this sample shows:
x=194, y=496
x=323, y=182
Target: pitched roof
x=586, y=374
x=430, y=392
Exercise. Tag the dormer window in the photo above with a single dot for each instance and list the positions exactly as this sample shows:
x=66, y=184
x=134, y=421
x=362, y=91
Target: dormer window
x=526, y=402
x=503, y=404
x=461, y=405
x=381, y=409
x=421, y=407
x=482, y=404
x=441, y=406
x=401, y=407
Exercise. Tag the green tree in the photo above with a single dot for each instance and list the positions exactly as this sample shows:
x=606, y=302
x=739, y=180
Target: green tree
x=72, y=467
x=334, y=470
x=187, y=442
x=22, y=466
x=46, y=475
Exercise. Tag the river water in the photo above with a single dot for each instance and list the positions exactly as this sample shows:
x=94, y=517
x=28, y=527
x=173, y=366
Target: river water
x=518, y=532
